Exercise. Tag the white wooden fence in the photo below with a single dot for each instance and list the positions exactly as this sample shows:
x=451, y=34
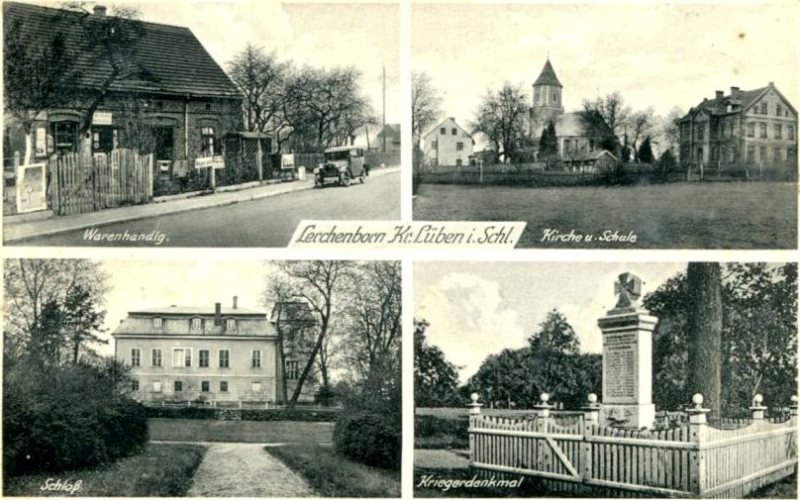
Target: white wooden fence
x=693, y=460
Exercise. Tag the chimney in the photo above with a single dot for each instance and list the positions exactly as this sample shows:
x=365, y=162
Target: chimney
x=771, y=84
x=719, y=94
x=217, y=314
x=235, y=302
x=734, y=91
x=99, y=10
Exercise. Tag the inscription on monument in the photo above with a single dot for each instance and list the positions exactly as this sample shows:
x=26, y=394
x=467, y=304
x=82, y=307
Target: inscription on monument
x=620, y=366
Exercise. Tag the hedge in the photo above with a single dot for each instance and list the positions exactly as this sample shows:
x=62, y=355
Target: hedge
x=369, y=437
x=259, y=415
x=66, y=417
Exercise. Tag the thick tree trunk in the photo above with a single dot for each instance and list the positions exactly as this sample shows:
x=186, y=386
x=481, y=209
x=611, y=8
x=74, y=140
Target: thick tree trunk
x=705, y=334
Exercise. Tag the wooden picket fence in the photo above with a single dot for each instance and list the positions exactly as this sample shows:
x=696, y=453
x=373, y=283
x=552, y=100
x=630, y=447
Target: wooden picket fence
x=585, y=458
x=80, y=184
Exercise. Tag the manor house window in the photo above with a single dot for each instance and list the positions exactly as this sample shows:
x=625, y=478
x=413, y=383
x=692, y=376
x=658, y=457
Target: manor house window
x=751, y=153
x=203, y=358
x=223, y=386
x=181, y=357
x=764, y=108
x=762, y=153
x=205, y=386
x=763, y=128
x=230, y=324
x=790, y=132
x=778, y=110
x=453, y=131
x=751, y=130
x=197, y=324
x=156, y=357
x=778, y=131
x=134, y=385
x=255, y=387
x=136, y=357
x=256, y=360
x=459, y=146
x=292, y=370
x=777, y=154
x=178, y=386
x=157, y=323
x=442, y=131
x=224, y=358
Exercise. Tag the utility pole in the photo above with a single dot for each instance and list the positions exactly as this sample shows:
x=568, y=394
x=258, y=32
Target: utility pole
x=383, y=141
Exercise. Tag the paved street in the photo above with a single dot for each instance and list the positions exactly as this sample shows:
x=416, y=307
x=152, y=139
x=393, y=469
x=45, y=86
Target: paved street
x=245, y=470
x=269, y=222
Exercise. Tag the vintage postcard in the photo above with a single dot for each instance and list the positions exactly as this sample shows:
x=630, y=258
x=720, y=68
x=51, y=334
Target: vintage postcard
x=192, y=378
x=649, y=125
x=668, y=379
x=197, y=123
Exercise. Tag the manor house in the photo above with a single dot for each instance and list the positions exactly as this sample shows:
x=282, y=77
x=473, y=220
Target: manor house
x=216, y=353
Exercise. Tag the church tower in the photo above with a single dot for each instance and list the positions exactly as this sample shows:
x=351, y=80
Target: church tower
x=546, y=96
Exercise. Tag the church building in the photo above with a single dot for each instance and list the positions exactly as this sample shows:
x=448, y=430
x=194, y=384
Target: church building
x=579, y=142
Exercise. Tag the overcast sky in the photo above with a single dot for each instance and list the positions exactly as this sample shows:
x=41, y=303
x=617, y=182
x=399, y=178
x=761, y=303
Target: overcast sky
x=143, y=284
x=655, y=55
x=363, y=35
x=476, y=309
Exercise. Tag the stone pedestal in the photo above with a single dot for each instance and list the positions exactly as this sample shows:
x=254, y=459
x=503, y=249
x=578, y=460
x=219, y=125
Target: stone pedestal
x=627, y=361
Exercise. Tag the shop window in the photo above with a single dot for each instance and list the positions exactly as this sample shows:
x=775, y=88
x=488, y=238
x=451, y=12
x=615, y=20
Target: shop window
x=65, y=137
x=103, y=139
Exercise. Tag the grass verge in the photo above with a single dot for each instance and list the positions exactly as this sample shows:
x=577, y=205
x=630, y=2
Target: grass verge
x=239, y=431
x=332, y=475
x=159, y=470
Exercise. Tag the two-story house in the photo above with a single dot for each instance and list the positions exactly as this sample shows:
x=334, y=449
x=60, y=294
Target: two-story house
x=746, y=127
x=447, y=144
x=205, y=353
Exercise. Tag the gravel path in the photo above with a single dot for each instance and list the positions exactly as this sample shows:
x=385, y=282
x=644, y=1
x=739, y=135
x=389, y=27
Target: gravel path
x=245, y=470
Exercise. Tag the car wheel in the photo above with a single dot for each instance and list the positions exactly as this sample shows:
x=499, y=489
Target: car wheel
x=344, y=179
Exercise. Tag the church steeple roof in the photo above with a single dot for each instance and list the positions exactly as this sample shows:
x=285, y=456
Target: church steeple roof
x=548, y=76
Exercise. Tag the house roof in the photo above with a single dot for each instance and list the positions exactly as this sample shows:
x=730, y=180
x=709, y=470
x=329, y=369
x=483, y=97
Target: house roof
x=591, y=156
x=198, y=311
x=165, y=59
x=547, y=76
x=743, y=99
x=438, y=125
x=390, y=129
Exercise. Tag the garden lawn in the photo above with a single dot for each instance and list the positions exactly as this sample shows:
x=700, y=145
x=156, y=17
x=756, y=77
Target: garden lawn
x=239, y=431
x=682, y=215
x=332, y=475
x=159, y=470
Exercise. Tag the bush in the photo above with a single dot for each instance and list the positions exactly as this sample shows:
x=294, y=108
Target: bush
x=259, y=415
x=65, y=417
x=369, y=437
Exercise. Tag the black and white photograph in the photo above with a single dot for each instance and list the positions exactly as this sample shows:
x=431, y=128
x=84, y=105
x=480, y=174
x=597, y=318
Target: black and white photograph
x=605, y=379
x=159, y=378
x=197, y=124
x=608, y=125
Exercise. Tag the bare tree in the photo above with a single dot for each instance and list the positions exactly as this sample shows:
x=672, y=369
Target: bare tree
x=501, y=116
x=262, y=78
x=640, y=124
x=30, y=284
x=425, y=105
x=319, y=284
x=614, y=112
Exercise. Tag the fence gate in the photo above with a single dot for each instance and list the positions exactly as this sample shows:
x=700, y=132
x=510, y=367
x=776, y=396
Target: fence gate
x=107, y=180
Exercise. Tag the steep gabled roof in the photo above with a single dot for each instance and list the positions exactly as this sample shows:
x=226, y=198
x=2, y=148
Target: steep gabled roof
x=391, y=129
x=438, y=125
x=165, y=59
x=547, y=76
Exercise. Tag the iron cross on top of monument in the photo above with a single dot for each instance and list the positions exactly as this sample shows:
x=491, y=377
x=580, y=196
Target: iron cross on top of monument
x=629, y=289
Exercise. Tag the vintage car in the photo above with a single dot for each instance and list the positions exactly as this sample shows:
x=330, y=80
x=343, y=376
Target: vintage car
x=342, y=165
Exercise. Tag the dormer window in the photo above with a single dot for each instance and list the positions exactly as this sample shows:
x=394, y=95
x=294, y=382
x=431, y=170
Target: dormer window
x=197, y=324
x=157, y=323
x=230, y=324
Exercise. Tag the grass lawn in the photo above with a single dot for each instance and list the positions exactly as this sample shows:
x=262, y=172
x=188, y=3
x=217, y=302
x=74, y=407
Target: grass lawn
x=782, y=489
x=683, y=215
x=239, y=431
x=160, y=470
x=334, y=476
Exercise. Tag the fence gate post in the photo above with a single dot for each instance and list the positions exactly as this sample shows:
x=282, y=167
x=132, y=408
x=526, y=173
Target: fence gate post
x=542, y=418
x=474, y=413
x=793, y=409
x=697, y=434
x=757, y=410
x=591, y=419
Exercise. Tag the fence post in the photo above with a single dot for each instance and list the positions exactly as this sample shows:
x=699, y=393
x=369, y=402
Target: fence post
x=697, y=434
x=757, y=410
x=591, y=419
x=793, y=408
x=474, y=413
